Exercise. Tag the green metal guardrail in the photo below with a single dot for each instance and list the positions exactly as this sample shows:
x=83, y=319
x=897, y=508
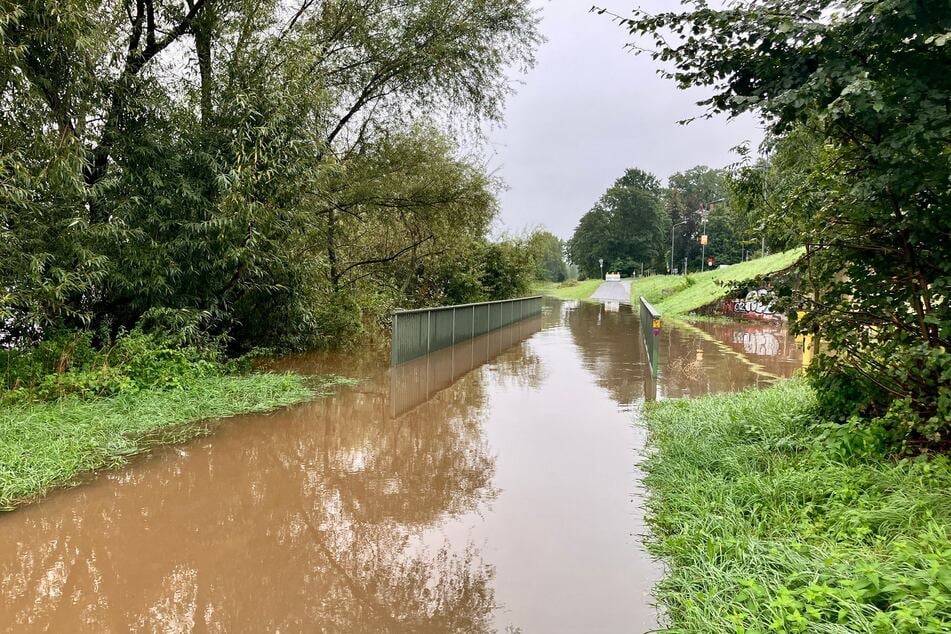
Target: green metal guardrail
x=650, y=331
x=416, y=381
x=419, y=332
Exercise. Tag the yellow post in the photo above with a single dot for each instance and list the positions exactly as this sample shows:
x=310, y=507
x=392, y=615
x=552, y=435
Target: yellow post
x=805, y=344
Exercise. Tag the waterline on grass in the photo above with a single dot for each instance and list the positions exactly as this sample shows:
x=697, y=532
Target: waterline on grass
x=44, y=445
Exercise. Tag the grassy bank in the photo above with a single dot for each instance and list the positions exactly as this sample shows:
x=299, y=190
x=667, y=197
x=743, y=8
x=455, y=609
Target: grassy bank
x=47, y=444
x=567, y=290
x=678, y=295
x=769, y=523
x=68, y=406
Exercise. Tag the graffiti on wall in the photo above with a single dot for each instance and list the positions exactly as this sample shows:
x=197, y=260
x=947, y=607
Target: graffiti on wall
x=757, y=304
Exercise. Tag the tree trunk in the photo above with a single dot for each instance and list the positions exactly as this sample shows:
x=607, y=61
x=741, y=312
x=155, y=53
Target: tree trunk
x=202, y=30
x=332, y=250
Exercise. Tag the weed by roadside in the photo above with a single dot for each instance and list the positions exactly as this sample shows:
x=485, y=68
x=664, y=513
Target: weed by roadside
x=71, y=365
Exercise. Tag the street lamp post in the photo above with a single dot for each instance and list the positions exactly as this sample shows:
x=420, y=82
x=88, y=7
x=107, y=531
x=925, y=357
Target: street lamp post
x=704, y=214
x=601, y=264
x=672, y=227
x=703, y=245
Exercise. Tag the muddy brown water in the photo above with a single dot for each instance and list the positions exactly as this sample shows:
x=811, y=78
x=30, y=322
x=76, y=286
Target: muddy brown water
x=492, y=486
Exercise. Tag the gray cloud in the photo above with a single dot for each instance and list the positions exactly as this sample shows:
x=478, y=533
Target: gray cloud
x=590, y=109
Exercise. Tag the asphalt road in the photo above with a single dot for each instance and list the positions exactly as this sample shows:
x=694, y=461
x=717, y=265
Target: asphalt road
x=614, y=291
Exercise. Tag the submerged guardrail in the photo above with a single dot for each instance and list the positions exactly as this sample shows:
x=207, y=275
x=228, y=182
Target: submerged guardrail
x=418, y=380
x=419, y=332
x=650, y=333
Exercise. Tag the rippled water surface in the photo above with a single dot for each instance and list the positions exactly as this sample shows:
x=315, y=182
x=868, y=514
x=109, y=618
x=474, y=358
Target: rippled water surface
x=489, y=486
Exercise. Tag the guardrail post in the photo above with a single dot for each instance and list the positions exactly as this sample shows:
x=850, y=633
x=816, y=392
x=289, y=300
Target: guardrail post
x=394, y=354
x=650, y=332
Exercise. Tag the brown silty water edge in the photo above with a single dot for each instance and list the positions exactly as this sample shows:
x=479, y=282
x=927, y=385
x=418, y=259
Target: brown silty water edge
x=490, y=486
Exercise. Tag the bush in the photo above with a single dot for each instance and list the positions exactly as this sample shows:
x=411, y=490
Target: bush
x=919, y=415
x=339, y=320
x=57, y=353
x=69, y=364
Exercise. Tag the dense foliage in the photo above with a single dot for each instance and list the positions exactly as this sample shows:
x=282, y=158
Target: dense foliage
x=637, y=222
x=699, y=203
x=69, y=364
x=505, y=268
x=862, y=85
x=267, y=170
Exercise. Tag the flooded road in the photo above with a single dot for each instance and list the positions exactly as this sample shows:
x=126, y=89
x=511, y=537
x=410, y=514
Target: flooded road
x=492, y=486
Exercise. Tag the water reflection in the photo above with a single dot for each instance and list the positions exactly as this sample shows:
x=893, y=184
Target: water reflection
x=492, y=484
x=415, y=381
x=769, y=344
x=695, y=358
x=303, y=520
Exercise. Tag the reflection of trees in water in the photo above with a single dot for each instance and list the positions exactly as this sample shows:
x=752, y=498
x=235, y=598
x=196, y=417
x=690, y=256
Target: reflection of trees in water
x=431, y=461
x=609, y=345
x=690, y=363
x=308, y=519
x=315, y=573
x=520, y=367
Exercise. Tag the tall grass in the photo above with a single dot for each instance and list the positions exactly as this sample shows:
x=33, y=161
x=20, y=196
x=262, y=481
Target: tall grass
x=771, y=523
x=46, y=444
x=678, y=295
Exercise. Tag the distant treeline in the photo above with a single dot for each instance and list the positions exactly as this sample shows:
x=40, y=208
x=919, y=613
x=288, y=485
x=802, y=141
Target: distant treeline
x=629, y=227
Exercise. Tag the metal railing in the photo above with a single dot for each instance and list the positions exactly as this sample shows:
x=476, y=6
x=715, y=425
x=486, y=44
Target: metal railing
x=650, y=332
x=419, y=332
x=416, y=381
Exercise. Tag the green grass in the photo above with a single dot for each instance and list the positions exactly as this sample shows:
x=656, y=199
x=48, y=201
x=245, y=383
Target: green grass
x=677, y=295
x=47, y=444
x=567, y=290
x=768, y=522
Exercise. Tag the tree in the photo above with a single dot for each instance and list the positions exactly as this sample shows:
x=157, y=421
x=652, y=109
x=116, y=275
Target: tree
x=589, y=242
x=625, y=227
x=772, y=194
x=238, y=166
x=868, y=79
x=549, y=253
x=691, y=195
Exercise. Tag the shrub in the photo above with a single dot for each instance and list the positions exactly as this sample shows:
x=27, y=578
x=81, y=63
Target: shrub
x=915, y=412
x=71, y=365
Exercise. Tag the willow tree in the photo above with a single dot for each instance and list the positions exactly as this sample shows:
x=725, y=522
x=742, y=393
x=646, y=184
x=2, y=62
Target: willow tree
x=170, y=159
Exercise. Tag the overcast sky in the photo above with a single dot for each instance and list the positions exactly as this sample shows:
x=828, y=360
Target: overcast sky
x=591, y=108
